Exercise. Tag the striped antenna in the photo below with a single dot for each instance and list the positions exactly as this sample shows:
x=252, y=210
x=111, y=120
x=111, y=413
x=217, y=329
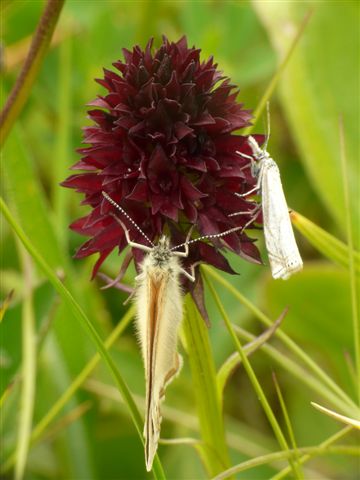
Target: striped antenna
x=268, y=125
x=205, y=237
x=109, y=199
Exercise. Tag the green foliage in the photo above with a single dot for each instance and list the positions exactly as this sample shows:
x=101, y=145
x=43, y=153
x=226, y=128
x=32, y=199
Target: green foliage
x=72, y=425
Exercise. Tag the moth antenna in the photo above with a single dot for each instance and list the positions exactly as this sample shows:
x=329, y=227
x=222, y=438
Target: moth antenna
x=267, y=125
x=110, y=200
x=205, y=237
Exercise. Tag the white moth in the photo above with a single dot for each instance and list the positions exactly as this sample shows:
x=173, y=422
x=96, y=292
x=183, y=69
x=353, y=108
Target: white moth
x=283, y=253
x=158, y=299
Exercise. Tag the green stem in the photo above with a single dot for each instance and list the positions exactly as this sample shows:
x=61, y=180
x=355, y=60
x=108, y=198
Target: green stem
x=214, y=454
x=325, y=243
x=296, y=465
x=22, y=88
x=62, y=149
x=287, y=341
x=295, y=370
x=48, y=418
x=272, y=457
x=252, y=377
x=353, y=289
x=275, y=79
x=326, y=443
x=28, y=369
x=80, y=315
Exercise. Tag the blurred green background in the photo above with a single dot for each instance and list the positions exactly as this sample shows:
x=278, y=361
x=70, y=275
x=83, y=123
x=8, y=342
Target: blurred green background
x=248, y=41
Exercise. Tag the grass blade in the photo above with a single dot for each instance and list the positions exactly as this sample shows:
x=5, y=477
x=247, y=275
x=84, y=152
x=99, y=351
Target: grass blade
x=295, y=464
x=341, y=418
x=324, y=242
x=294, y=369
x=351, y=256
x=31, y=67
x=326, y=443
x=215, y=456
x=62, y=155
x=86, y=324
x=251, y=374
x=28, y=369
x=276, y=77
x=271, y=457
x=5, y=304
x=231, y=363
x=348, y=404
x=40, y=428
x=247, y=445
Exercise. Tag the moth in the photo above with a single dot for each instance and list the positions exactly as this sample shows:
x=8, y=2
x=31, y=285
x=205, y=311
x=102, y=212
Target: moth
x=283, y=253
x=158, y=298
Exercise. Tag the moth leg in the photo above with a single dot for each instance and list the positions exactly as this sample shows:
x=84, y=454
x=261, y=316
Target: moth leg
x=185, y=253
x=252, y=220
x=190, y=276
x=249, y=157
x=249, y=212
x=255, y=189
x=129, y=297
x=140, y=246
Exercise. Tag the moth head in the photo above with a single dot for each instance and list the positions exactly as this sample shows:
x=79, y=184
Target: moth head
x=161, y=252
x=164, y=242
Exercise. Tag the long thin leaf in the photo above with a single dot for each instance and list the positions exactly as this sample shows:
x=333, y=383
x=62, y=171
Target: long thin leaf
x=208, y=402
x=251, y=374
x=326, y=443
x=297, y=371
x=86, y=324
x=5, y=304
x=31, y=67
x=62, y=150
x=348, y=404
x=351, y=254
x=233, y=361
x=28, y=369
x=279, y=72
x=296, y=465
x=324, y=242
x=353, y=450
x=31, y=208
x=248, y=444
x=341, y=418
x=40, y=428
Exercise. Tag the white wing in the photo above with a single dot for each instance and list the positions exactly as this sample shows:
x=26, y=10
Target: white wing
x=284, y=256
x=159, y=305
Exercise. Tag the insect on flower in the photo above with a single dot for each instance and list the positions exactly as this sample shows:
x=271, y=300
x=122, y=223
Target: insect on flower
x=158, y=297
x=163, y=145
x=283, y=252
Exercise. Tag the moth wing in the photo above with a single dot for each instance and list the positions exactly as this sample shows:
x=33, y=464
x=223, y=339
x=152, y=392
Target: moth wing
x=159, y=317
x=283, y=253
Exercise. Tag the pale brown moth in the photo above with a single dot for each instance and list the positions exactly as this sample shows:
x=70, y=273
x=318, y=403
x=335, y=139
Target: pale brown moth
x=158, y=298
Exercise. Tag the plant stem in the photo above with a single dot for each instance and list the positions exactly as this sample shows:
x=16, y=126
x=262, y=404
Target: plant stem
x=271, y=457
x=276, y=77
x=252, y=377
x=28, y=369
x=349, y=232
x=21, y=90
x=295, y=370
x=56, y=408
x=308, y=456
x=296, y=465
x=214, y=450
x=88, y=327
x=353, y=410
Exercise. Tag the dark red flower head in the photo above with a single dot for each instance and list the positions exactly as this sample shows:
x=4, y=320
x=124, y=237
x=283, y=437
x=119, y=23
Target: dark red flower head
x=162, y=147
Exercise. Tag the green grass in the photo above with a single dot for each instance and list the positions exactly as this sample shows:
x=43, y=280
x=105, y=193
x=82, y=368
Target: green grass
x=71, y=370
